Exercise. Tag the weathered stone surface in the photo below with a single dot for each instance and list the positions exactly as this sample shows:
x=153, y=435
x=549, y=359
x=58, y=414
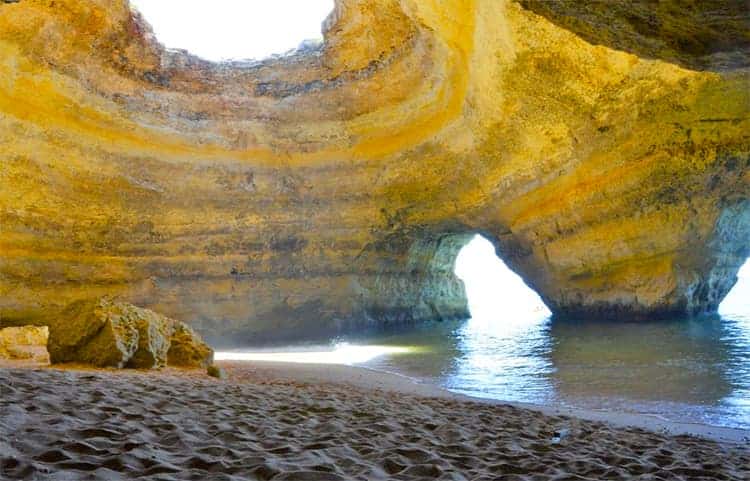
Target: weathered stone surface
x=332, y=189
x=700, y=34
x=109, y=333
x=216, y=371
x=154, y=338
x=24, y=343
x=102, y=333
x=187, y=349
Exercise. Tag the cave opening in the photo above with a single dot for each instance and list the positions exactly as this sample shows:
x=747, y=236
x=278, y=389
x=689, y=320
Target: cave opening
x=737, y=301
x=225, y=30
x=495, y=293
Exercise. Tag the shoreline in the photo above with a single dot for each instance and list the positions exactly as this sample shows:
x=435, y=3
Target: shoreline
x=368, y=378
x=371, y=379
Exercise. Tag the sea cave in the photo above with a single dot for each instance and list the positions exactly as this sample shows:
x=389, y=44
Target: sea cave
x=538, y=210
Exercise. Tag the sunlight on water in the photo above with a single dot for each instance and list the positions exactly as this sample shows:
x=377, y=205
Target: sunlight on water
x=689, y=370
x=341, y=353
x=503, y=363
x=505, y=333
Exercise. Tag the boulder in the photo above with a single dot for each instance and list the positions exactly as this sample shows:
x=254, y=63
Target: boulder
x=100, y=333
x=187, y=349
x=110, y=333
x=28, y=343
x=154, y=338
x=215, y=371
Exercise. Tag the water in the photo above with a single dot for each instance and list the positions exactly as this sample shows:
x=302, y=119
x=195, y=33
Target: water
x=682, y=370
x=689, y=370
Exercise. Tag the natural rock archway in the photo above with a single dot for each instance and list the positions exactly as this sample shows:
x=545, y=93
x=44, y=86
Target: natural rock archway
x=329, y=189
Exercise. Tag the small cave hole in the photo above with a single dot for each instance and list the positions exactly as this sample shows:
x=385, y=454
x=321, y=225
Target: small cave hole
x=224, y=30
x=738, y=299
x=496, y=293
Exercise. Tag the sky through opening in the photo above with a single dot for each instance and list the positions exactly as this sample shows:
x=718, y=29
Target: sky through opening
x=738, y=299
x=235, y=29
x=493, y=290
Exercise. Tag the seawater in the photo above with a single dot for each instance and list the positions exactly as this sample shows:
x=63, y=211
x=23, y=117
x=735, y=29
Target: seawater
x=686, y=370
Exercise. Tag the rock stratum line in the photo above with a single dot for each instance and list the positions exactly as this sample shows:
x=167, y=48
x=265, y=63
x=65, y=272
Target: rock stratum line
x=333, y=188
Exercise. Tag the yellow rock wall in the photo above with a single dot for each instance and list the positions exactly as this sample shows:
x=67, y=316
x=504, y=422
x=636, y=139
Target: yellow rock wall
x=332, y=189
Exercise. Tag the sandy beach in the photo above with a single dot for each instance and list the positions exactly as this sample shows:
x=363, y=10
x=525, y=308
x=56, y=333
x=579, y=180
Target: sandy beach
x=313, y=422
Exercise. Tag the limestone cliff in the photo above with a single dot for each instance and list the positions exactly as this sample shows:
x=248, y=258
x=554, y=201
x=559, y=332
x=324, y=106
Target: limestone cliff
x=332, y=189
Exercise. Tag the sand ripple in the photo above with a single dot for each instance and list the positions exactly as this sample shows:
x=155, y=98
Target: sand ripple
x=70, y=425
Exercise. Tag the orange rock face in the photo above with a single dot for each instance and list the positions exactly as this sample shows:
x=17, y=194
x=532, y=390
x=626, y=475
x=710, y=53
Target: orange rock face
x=332, y=189
x=25, y=343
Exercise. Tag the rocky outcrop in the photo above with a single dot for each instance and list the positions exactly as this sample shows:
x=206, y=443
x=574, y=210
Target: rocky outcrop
x=27, y=343
x=108, y=333
x=702, y=34
x=331, y=189
x=187, y=349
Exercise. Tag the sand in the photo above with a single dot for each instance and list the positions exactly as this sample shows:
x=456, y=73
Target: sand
x=300, y=422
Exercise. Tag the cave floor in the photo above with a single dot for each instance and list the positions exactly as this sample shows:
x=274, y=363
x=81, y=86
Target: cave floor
x=69, y=424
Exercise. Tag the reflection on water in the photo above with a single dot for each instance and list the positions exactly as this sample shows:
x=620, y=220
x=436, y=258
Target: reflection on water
x=684, y=370
x=496, y=352
x=340, y=353
x=690, y=370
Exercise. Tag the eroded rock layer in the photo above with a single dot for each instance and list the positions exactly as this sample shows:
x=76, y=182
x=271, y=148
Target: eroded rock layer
x=332, y=189
x=25, y=343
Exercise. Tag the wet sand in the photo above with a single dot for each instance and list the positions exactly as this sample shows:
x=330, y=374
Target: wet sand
x=307, y=422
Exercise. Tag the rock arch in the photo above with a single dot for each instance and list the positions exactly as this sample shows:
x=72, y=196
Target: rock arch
x=309, y=192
